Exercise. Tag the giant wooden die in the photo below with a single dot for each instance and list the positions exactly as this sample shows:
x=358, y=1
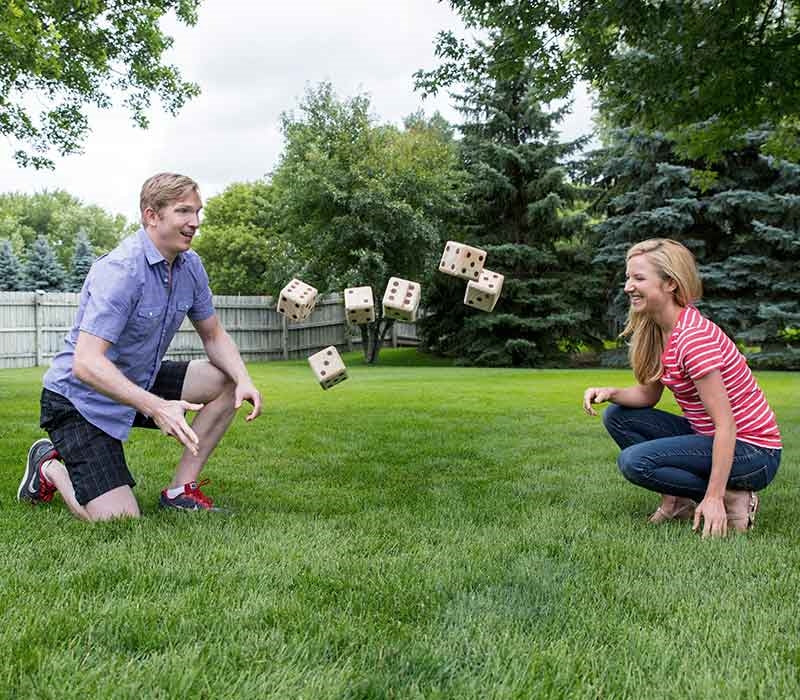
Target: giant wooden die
x=462, y=260
x=328, y=367
x=359, y=305
x=401, y=299
x=484, y=292
x=297, y=300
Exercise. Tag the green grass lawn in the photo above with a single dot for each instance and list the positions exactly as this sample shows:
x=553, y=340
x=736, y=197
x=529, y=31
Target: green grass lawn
x=416, y=532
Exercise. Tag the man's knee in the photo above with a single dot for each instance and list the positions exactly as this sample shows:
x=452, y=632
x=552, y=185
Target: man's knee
x=117, y=503
x=205, y=383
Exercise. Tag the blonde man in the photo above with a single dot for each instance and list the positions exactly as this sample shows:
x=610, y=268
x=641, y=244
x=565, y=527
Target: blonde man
x=709, y=462
x=110, y=376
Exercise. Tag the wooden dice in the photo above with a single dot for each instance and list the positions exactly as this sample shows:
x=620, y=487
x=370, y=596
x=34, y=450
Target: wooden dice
x=297, y=300
x=462, y=260
x=359, y=306
x=484, y=292
x=328, y=367
x=401, y=299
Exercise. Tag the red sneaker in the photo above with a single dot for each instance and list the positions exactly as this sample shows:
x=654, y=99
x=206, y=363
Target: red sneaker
x=34, y=487
x=192, y=498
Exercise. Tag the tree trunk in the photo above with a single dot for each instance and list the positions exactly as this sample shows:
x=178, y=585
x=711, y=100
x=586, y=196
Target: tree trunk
x=364, y=328
x=377, y=336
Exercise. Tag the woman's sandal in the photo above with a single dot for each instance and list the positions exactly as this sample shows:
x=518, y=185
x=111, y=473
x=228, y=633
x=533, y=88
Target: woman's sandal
x=683, y=512
x=743, y=520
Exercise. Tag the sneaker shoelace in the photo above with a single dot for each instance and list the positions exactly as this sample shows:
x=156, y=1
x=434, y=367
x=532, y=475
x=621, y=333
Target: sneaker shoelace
x=196, y=494
x=46, y=488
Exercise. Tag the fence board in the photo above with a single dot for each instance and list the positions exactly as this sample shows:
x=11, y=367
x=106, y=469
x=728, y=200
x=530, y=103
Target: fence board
x=33, y=326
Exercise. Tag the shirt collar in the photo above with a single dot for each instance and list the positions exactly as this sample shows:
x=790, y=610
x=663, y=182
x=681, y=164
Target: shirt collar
x=151, y=252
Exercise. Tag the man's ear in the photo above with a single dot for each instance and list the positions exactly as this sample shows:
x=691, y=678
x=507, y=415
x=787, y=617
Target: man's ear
x=150, y=216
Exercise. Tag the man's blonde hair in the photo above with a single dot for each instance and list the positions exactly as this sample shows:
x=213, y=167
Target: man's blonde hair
x=162, y=189
x=673, y=261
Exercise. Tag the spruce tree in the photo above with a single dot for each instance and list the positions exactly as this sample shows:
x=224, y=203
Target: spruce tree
x=741, y=218
x=522, y=209
x=11, y=275
x=82, y=260
x=42, y=269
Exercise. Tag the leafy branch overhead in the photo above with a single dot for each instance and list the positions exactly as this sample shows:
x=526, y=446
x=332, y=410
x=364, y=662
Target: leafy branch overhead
x=703, y=72
x=57, y=57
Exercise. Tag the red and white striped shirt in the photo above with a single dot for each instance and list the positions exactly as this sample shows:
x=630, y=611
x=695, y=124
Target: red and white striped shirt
x=697, y=347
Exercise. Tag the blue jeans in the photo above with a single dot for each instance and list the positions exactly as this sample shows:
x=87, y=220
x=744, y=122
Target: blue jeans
x=661, y=453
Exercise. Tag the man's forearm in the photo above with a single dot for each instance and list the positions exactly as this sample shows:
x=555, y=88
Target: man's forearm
x=223, y=354
x=103, y=375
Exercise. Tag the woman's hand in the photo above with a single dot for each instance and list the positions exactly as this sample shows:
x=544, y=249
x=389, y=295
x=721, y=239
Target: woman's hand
x=596, y=394
x=715, y=518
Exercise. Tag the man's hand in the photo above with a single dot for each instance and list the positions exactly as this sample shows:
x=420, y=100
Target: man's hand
x=170, y=418
x=596, y=394
x=715, y=519
x=246, y=391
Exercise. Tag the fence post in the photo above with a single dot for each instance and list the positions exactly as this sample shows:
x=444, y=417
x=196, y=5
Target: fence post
x=394, y=334
x=38, y=297
x=284, y=337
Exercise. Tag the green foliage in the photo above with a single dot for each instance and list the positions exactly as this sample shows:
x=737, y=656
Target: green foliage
x=72, y=55
x=524, y=211
x=11, y=273
x=59, y=216
x=42, y=269
x=360, y=202
x=238, y=244
x=743, y=225
x=82, y=260
x=696, y=70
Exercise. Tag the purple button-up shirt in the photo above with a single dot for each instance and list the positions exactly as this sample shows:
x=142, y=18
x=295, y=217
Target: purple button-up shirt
x=129, y=300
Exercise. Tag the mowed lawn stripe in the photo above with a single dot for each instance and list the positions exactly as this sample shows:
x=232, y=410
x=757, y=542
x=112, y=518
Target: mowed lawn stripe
x=417, y=531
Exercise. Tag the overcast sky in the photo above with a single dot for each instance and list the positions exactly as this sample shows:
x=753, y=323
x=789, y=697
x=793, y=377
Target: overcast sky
x=253, y=59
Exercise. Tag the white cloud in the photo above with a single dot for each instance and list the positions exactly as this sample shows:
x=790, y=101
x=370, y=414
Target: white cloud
x=254, y=60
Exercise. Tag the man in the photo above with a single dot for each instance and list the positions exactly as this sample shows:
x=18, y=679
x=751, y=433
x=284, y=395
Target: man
x=110, y=377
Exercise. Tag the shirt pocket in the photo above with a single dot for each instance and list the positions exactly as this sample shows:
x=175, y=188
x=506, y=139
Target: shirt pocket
x=145, y=322
x=182, y=307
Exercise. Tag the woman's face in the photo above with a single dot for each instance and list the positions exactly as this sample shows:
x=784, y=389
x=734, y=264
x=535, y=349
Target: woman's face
x=647, y=291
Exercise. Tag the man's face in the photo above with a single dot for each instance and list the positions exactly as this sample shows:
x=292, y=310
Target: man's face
x=173, y=228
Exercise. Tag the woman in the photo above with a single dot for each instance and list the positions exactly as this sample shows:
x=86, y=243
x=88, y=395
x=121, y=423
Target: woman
x=708, y=463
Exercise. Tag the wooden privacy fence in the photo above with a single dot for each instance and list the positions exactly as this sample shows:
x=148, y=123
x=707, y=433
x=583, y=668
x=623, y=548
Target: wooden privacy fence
x=33, y=326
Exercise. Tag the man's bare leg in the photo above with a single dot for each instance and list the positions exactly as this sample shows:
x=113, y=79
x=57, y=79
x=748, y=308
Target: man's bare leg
x=205, y=384
x=117, y=503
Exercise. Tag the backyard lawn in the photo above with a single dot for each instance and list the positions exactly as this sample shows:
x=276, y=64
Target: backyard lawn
x=415, y=532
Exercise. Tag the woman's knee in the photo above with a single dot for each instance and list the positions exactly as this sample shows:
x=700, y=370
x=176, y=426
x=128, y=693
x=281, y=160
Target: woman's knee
x=632, y=465
x=612, y=415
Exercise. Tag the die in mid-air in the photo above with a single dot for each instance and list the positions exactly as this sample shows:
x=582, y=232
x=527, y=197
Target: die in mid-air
x=297, y=300
x=359, y=305
x=401, y=299
x=462, y=260
x=484, y=292
x=327, y=365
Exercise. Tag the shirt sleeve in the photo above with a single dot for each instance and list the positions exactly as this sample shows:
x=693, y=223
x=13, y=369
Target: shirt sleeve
x=202, y=304
x=112, y=292
x=699, y=354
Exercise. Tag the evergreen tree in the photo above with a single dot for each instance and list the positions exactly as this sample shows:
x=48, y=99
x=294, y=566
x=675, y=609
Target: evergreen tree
x=740, y=216
x=42, y=269
x=82, y=260
x=522, y=209
x=11, y=276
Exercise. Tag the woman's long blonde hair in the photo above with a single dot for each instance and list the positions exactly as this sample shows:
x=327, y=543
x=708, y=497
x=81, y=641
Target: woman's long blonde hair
x=673, y=261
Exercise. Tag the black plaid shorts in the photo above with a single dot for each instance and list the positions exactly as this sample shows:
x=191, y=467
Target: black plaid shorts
x=95, y=460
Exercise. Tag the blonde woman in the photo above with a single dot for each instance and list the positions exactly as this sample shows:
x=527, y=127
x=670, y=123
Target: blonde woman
x=708, y=463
